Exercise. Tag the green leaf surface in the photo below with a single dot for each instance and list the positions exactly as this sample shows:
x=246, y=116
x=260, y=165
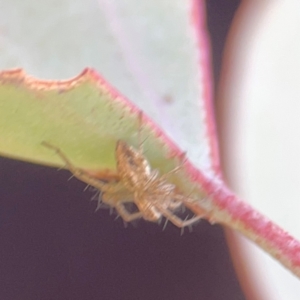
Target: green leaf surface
x=36, y=111
x=148, y=50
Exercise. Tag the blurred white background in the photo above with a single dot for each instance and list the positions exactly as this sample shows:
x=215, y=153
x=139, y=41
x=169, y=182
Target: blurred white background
x=259, y=105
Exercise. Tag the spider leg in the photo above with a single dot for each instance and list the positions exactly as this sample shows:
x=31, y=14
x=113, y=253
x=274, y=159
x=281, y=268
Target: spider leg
x=176, y=169
x=176, y=220
x=120, y=196
x=174, y=204
x=83, y=175
x=165, y=225
x=151, y=179
x=140, y=127
x=183, y=199
x=126, y=216
x=140, y=120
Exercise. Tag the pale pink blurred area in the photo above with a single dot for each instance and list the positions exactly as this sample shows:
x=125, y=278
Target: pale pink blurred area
x=259, y=128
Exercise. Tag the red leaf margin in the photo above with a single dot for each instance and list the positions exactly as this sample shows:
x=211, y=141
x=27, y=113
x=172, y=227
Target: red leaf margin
x=227, y=208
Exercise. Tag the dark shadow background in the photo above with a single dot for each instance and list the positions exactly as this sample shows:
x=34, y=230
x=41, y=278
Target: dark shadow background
x=219, y=17
x=54, y=246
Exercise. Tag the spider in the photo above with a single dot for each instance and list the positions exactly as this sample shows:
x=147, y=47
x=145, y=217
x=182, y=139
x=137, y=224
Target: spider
x=153, y=195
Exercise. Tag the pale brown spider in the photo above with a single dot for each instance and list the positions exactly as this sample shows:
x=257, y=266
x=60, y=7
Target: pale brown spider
x=153, y=195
